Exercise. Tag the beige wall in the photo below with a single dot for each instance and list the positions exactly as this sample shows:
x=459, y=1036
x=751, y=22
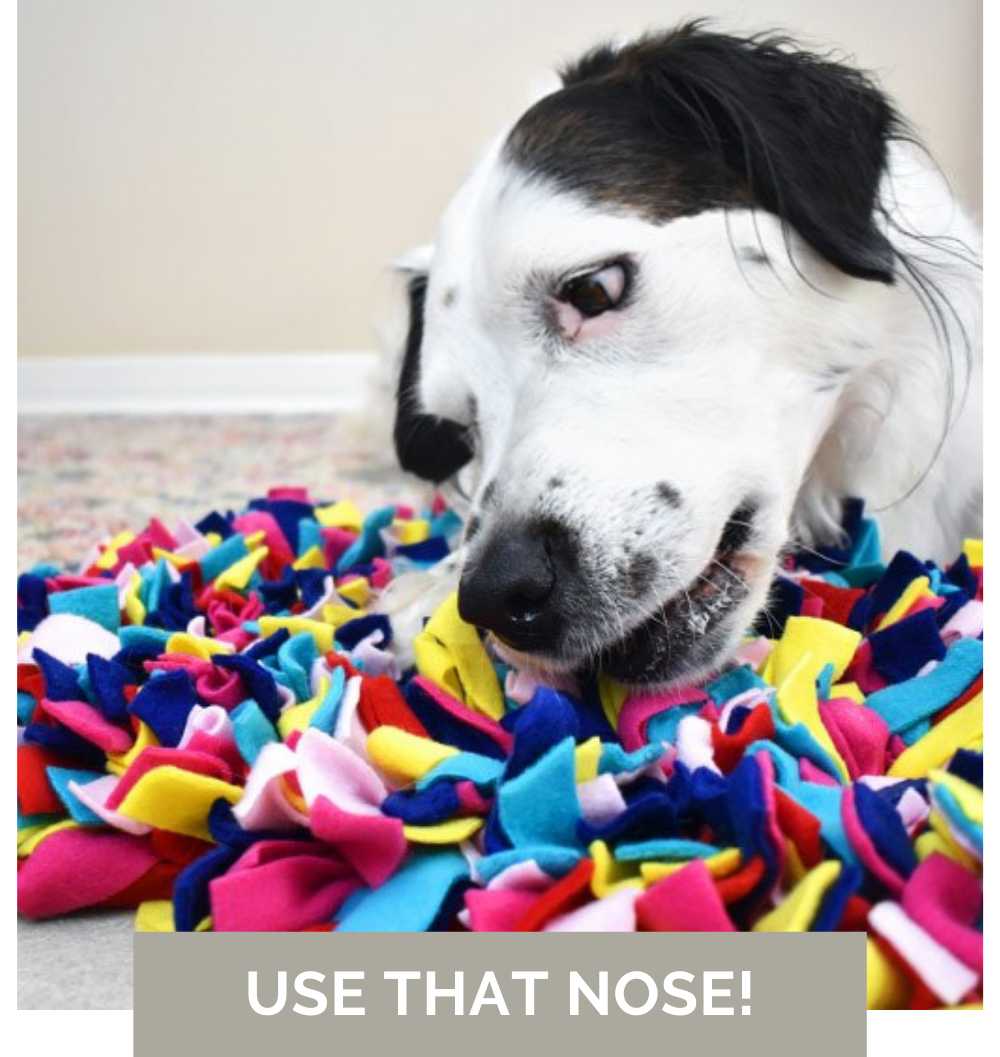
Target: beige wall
x=234, y=174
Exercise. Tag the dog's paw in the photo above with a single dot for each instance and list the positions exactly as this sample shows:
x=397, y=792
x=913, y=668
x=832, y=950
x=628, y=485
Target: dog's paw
x=411, y=599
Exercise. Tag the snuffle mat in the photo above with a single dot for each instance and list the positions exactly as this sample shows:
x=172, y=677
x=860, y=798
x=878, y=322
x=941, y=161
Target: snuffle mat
x=213, y=728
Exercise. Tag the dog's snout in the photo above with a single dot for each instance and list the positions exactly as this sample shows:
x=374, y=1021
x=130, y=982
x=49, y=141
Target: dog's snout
x=510, y=589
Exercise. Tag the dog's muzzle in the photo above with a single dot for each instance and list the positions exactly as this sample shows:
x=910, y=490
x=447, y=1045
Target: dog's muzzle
x=525, y=586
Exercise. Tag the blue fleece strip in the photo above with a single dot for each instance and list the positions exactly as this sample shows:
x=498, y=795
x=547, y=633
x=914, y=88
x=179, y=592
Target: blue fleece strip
x=410, y=899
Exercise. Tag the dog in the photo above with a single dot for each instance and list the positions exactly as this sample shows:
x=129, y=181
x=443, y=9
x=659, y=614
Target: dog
x=685, y=306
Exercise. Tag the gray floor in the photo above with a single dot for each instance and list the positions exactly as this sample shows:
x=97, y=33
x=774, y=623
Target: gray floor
x=78, y=962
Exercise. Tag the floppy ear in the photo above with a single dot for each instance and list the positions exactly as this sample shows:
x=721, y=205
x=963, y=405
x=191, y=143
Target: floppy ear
x=431, y=447
x=805, y=137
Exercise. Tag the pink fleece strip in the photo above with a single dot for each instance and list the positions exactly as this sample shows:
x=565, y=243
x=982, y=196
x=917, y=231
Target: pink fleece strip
x=209, y=730
x=214, y=685
x=237, y=637
x=260, y=521
x=373, y=844
x=76, y=868
x=138, y=552
x=218, y=686
x=225, y=615
x=862, y=670
x=812, y=606
x=69, y=582
x=221, y=748
x=685, y=901
x=280, y=886
x=472, y=802
x=186, y=533
x=859, y=734
x=497, y=909
x=947, y=901
x=640, y=708
x=336, y=543
x=809, y=772
x=381, y=573
x=173, y=662
x=87, y=721
x=160, y=534
x=294, y=492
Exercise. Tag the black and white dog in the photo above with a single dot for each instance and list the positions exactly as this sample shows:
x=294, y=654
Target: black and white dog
x=684, y=306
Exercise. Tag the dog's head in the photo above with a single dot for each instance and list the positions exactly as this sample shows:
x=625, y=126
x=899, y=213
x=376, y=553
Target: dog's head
x=640, y=313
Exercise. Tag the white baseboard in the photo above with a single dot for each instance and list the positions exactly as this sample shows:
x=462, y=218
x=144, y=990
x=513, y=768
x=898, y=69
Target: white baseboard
x=196, y=383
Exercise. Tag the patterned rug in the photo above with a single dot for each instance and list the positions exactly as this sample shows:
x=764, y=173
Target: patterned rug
x=81, y=478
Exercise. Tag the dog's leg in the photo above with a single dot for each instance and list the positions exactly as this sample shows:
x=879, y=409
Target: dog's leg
x=411, y=598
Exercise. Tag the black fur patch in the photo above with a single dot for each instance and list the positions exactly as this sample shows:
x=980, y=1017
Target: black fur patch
x=640, y=573
x=739, y=528
x=431, y=447
x=666, y=493
x=691, y=120
x=562, y=543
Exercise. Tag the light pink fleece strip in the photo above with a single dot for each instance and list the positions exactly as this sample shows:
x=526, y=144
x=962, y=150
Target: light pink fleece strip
x=613, y=913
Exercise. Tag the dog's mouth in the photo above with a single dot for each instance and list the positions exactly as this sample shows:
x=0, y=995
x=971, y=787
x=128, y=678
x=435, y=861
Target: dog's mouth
x=685, y=636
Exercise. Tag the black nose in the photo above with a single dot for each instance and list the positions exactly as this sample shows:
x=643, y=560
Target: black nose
x=510, y=589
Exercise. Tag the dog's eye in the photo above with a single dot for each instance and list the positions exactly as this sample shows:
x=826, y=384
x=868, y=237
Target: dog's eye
x=596, y=292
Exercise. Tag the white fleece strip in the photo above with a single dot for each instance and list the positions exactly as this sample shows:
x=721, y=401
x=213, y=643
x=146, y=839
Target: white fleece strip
x=943, y=973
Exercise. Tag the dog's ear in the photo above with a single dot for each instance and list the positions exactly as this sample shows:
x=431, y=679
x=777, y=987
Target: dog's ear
x=805, y=137
x=431, y=447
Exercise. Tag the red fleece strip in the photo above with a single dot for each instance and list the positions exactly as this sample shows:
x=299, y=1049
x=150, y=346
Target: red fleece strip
x=382, y=704
x=729, y=748
x=801, y=827
x=568, y=894
x=34, y=793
